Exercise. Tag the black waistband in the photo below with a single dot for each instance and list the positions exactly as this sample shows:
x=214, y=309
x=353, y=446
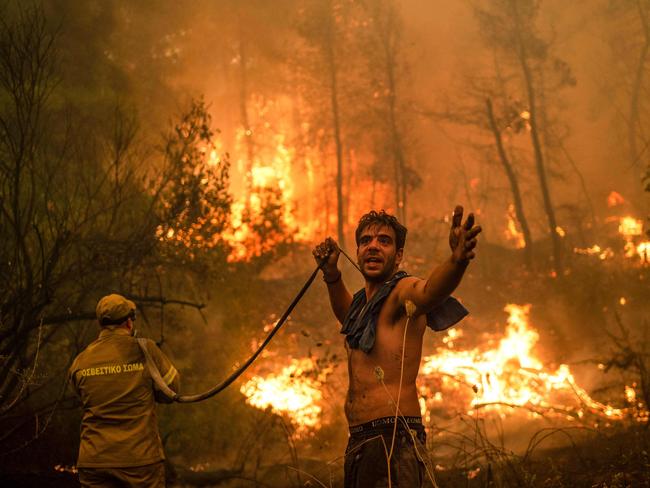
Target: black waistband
x=384, y=423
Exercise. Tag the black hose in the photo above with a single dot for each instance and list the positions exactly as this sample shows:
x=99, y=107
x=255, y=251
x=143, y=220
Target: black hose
x=228, y=381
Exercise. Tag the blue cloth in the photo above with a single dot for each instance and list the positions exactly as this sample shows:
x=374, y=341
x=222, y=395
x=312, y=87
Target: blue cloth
x=360, y=324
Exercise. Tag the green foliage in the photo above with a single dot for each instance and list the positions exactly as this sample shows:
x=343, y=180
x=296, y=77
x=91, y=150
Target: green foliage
x=267, y=225
x=194, y=203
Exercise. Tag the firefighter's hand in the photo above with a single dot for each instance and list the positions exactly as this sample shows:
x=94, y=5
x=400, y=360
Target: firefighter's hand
x=327, y=252
x=463, y=237
x=160, y=397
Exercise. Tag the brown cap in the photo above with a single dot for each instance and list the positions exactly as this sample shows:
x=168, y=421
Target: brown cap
x=114, y=309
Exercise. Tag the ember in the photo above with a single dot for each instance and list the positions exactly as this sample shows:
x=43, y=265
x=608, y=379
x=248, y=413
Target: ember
x=595, y=250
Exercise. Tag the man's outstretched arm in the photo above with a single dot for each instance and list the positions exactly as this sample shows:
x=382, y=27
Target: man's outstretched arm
x=340, y=297
x=445, y=277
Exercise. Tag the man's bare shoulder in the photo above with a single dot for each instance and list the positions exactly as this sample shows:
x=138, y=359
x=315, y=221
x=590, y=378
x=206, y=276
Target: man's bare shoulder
x=406, y=283
x=401, y=289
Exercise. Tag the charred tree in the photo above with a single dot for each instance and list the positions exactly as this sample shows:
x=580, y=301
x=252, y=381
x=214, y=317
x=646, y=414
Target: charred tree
x=324, y=28
x=332, y=64
x=528, y=63
x=383, y=51
x=540, y=164
x=387, y=36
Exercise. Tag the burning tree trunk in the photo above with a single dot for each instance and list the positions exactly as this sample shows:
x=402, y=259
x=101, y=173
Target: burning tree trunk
x=514, y=185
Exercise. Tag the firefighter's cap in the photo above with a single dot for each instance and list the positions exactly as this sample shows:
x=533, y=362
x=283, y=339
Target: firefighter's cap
x=114, y=309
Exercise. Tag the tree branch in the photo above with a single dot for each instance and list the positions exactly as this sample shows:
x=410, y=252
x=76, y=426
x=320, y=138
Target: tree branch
x=80, y=316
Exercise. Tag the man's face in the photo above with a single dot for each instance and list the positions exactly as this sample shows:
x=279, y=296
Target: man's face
x=377, y=253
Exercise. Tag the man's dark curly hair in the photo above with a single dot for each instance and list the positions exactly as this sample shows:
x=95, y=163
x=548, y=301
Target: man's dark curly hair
x=382, y=219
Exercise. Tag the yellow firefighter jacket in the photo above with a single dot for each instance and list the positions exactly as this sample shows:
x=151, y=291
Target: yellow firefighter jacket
x=119, y=426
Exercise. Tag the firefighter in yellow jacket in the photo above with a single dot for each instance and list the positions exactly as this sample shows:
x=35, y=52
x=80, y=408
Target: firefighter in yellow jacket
x=120, y=444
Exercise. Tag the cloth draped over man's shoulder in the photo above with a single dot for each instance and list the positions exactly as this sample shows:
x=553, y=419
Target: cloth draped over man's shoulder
x=360, y=324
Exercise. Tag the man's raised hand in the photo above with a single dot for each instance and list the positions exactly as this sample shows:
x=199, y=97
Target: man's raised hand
x=463, y=237
x=327, y=253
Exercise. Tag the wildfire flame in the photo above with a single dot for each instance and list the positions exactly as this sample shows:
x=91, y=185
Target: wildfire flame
x=501, y=374
x=595, y=250
x=643, y=250
x=281, y=192
x=631, y=228
x=507, y=375
x=294, y=392
x=614, y=199
x=512, y=232
x=265, y=189
x=270, y=177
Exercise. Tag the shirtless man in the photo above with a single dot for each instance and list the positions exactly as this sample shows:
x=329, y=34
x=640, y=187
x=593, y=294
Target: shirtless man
x=384, y=324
